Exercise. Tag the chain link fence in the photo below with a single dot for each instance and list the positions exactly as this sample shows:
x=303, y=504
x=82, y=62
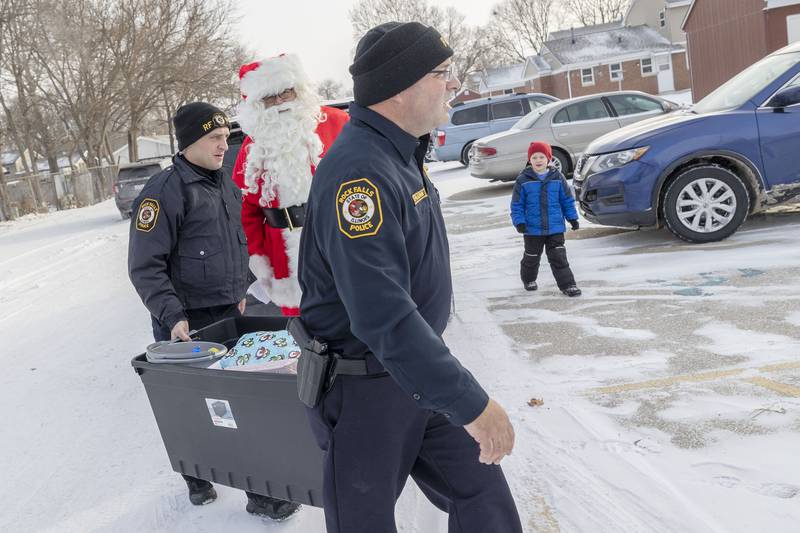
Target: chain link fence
x=59, y=191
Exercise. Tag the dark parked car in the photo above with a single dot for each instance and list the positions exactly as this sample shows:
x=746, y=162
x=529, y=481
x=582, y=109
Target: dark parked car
x=131, y=179
x=702, y=170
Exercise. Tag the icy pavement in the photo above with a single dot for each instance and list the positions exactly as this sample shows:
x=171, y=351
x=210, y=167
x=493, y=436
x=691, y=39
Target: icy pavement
x=670, y=389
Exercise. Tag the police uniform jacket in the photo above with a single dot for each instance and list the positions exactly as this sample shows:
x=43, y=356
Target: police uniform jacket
x=374, y=264
x=187, y=249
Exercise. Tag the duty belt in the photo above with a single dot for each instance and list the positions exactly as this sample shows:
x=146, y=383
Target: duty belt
x=285, y=217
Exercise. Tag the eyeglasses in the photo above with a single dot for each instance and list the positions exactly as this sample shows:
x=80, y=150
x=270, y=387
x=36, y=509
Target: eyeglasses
x=285, y=96
x=445, y=73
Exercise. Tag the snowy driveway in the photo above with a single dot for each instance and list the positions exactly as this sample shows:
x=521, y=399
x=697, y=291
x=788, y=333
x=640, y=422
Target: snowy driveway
x=671, y=389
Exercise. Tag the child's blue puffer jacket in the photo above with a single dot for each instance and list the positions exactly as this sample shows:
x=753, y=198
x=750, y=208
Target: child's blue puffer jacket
x=543, y=203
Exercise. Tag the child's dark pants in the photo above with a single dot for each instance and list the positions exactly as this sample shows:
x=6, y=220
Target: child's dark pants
x=556, y=255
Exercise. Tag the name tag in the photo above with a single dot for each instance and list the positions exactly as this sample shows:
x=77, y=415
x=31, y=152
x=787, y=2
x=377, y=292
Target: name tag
x=420, y=195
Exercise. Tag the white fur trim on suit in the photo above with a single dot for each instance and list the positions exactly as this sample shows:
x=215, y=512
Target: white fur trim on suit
x=284, y=292
x=273, y=76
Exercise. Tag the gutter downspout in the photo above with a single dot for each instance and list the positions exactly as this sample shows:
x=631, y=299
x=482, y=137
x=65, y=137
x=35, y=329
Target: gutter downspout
x=569, y=84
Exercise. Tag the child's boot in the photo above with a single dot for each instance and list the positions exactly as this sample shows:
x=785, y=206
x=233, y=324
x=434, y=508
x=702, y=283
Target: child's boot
x=572, y=291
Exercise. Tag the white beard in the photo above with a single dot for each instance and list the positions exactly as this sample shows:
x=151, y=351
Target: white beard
x=285, y=145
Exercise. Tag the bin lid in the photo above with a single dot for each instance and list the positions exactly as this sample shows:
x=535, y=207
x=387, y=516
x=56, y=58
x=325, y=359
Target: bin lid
x=184, y=352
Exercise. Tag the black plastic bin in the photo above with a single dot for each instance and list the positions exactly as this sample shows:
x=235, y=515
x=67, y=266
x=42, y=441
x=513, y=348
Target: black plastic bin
x=271, y=450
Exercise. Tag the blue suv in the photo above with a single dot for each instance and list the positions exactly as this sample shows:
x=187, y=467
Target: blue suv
x=474, y=119
x=702, y=170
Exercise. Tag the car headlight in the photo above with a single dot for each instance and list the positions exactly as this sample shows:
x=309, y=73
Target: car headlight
x=617, y=159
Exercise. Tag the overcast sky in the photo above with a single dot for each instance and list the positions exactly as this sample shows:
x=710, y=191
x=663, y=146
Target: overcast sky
x=321, y=36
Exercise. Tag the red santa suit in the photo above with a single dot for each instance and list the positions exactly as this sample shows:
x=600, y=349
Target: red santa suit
x=274, y=251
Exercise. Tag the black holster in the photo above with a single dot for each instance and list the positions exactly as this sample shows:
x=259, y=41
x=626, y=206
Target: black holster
x=317, y=368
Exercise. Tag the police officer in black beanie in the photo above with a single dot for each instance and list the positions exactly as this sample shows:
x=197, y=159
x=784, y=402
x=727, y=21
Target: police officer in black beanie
x=375, y=274
x=187, y=254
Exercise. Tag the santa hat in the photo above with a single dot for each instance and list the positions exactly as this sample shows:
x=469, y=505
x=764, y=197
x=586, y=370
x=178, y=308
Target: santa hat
x=538, y=146
x=271, y=76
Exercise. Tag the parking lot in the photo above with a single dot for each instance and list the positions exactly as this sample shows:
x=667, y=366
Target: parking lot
x=666, y=397
x=673, y=381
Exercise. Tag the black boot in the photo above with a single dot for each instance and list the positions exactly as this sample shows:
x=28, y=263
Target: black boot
x=272, y=508
x=531, y=286
x=572, y=291
x=201, y=491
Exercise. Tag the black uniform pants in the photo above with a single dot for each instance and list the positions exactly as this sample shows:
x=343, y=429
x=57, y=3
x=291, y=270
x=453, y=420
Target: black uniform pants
x=200, y=318
x=374, y=436
x=556, y=256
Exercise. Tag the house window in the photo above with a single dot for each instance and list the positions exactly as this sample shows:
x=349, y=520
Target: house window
x=587, y=76
x=793, y=28
x=662, y=19
x=615, y=71
x=508, y=91
x=647, y=66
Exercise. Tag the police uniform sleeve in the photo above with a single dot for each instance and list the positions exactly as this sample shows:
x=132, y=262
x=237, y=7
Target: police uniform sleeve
x=153, y=235
x=372, y=274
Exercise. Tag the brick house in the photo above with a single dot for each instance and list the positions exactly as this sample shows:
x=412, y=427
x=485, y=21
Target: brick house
x=612, y=57
x=724, y=37
x=646, y=51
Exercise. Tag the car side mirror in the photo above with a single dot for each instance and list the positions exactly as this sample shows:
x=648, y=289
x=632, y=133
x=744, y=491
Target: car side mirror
x=785, y=98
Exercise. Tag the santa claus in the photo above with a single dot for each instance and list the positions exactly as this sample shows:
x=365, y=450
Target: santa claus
x=288, y=132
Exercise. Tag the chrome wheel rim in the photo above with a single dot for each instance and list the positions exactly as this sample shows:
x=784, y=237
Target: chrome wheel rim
x=706, y=205
x=556, y=163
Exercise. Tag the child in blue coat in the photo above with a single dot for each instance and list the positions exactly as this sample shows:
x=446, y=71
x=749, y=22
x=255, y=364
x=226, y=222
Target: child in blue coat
x=541, y=200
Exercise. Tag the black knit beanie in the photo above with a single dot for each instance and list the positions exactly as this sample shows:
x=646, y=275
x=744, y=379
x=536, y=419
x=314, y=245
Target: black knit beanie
x=392, y=57
x=194, y=120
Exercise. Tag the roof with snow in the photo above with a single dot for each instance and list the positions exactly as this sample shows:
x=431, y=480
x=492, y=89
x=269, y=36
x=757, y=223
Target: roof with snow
x=511, y=76
x=560, y=34
x=8, y=158
x=607, y=44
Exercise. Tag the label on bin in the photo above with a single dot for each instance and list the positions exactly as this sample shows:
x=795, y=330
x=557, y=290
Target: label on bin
x=221, y=414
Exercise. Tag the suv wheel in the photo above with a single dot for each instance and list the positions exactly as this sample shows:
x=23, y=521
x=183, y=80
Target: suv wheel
x=465, y=154
x=706, y=204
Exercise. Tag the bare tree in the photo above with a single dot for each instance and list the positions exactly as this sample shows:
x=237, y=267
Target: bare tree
x=591, y=12
x=469, y=43
x=179, y=46
x=519, y=27
x=329, y=89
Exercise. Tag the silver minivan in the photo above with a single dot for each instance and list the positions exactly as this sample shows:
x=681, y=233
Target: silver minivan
x=567, y=125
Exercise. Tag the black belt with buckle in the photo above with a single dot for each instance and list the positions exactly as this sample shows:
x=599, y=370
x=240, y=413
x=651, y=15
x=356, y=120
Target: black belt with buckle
x=285, y=217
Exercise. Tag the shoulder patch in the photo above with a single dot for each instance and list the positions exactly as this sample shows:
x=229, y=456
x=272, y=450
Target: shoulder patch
x=147, y=215
x=358, y=208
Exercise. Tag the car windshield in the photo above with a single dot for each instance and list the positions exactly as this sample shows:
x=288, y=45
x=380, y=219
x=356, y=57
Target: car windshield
x=747, y=83
x=131, y=173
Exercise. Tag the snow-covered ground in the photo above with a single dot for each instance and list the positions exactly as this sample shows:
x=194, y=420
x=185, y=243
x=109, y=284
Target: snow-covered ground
x=671, y=389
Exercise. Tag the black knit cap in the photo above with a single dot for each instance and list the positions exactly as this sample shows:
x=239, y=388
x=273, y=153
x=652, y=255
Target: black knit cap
x=194, y=120
x=392, y=57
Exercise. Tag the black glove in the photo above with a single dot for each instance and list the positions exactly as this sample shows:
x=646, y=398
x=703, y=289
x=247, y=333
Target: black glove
x=521, y=228
x=575, y=224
